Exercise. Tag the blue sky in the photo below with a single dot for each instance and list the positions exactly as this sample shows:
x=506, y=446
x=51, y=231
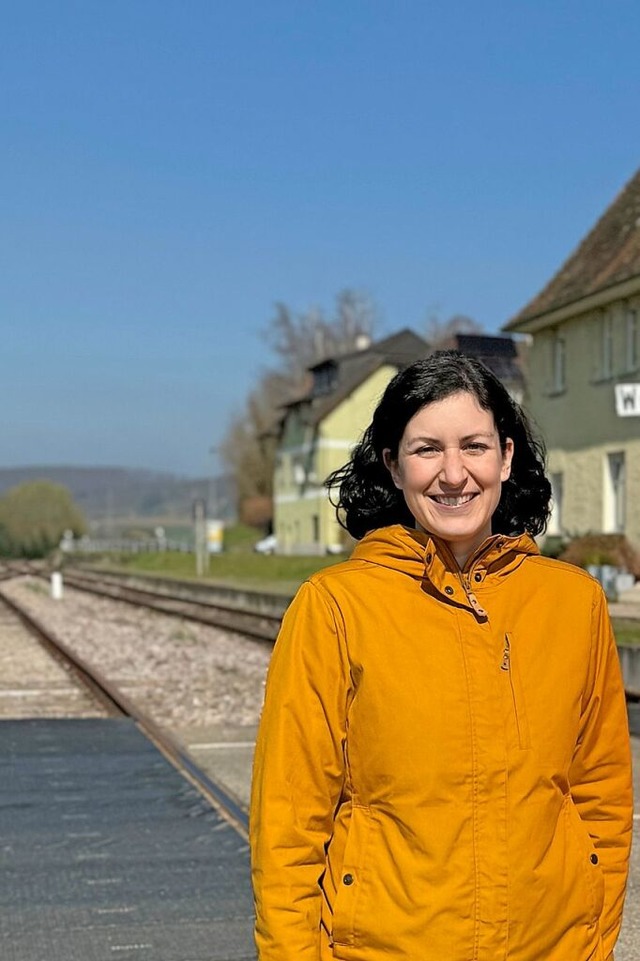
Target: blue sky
x=170, y=170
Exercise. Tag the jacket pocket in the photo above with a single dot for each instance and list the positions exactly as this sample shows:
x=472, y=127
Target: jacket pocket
x=510, y=666
x=580, y=841
x=351, y=881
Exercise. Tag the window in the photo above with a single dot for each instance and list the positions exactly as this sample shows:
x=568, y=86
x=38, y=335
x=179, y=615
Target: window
x=325, y=378
x=558, y=363
x=631, y=339
x=614, y=493
x=298, y=473
x=315, y=525
x=606, y=345
x=557, y=494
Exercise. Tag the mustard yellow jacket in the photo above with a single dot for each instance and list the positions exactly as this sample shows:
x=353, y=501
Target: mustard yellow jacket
x=442, y=771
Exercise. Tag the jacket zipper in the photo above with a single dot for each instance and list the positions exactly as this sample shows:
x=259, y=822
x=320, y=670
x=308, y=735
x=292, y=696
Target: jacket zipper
x=509, y=667
x=471, y=597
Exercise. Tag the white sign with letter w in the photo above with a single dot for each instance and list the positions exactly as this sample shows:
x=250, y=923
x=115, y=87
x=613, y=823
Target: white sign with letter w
x=628, y=400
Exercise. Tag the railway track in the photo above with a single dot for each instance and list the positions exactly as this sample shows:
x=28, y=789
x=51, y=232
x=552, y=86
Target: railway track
x=259, y=625
x=115, y=703
x=11, y=569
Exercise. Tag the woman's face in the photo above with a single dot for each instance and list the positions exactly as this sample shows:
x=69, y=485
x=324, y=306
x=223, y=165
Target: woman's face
x=450, y=468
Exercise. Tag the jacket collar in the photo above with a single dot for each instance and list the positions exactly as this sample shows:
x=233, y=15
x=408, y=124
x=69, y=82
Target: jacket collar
x=427, y=558
x=496, y=557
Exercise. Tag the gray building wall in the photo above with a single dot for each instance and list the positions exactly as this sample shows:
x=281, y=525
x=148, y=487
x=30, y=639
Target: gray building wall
x=594, y=452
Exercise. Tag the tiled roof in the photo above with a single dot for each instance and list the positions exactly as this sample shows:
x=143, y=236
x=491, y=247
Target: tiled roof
x=352, y=369
x=404, y=347
x=399, y=350
x=348, y=371
x=608, y=255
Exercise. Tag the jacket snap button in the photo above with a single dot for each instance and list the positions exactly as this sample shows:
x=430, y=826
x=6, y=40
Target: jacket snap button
x=477, y=577
x=448, y=590
x=428, y=558
x=593, y=858
x=347, y=879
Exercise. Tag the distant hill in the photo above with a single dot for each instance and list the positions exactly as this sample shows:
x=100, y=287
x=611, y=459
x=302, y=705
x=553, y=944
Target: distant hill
x=119, y=493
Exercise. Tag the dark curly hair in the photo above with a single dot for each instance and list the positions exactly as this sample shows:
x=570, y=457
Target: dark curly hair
x=368, y=498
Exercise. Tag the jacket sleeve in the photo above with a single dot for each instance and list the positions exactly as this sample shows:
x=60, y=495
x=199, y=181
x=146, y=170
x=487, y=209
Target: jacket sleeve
x=298, y=776
x=600, y=774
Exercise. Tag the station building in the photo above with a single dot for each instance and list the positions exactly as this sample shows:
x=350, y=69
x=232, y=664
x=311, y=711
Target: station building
x=584, y=375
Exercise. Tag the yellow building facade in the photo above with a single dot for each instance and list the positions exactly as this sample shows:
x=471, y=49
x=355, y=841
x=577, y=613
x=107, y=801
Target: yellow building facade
x=304, y=519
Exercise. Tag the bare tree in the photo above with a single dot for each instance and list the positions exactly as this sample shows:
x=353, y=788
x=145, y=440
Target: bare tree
x=356, y=317
x=301, y=339
x=440, y=333
x=248, y=445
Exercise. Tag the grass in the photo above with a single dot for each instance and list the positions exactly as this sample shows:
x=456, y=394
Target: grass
x=277, y=573
x=627, y=631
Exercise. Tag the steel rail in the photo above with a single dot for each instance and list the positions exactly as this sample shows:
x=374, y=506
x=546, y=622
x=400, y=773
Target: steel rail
x=12, y=569
x=204, y=593
x=71, y=663
x=261, y=626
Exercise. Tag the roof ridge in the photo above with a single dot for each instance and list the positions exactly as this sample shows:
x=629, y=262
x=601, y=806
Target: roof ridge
x=373, y=348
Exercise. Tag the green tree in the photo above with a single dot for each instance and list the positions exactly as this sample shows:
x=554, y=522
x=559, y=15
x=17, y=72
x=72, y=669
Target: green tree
x=33, y=518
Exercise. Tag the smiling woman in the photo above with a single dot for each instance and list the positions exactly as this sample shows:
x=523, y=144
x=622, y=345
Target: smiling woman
x=443, y=769
x=450, y=467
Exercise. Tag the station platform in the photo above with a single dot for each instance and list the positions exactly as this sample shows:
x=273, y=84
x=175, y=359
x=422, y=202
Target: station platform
x=108, y=853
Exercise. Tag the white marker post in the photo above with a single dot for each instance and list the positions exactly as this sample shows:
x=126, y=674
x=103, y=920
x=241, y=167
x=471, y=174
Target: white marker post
x=56, y=586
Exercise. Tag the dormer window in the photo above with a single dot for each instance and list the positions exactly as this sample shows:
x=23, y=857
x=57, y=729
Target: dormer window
x=325, y=377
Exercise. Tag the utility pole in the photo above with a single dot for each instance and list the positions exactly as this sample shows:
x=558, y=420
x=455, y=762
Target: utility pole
x=212, y=484
x=215, y=525
x=200, y=537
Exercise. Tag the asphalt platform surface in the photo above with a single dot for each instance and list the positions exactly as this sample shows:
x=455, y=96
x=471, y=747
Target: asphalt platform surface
x=108, y=853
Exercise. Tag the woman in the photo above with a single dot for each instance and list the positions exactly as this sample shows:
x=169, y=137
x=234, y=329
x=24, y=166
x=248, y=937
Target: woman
x=442, y=771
